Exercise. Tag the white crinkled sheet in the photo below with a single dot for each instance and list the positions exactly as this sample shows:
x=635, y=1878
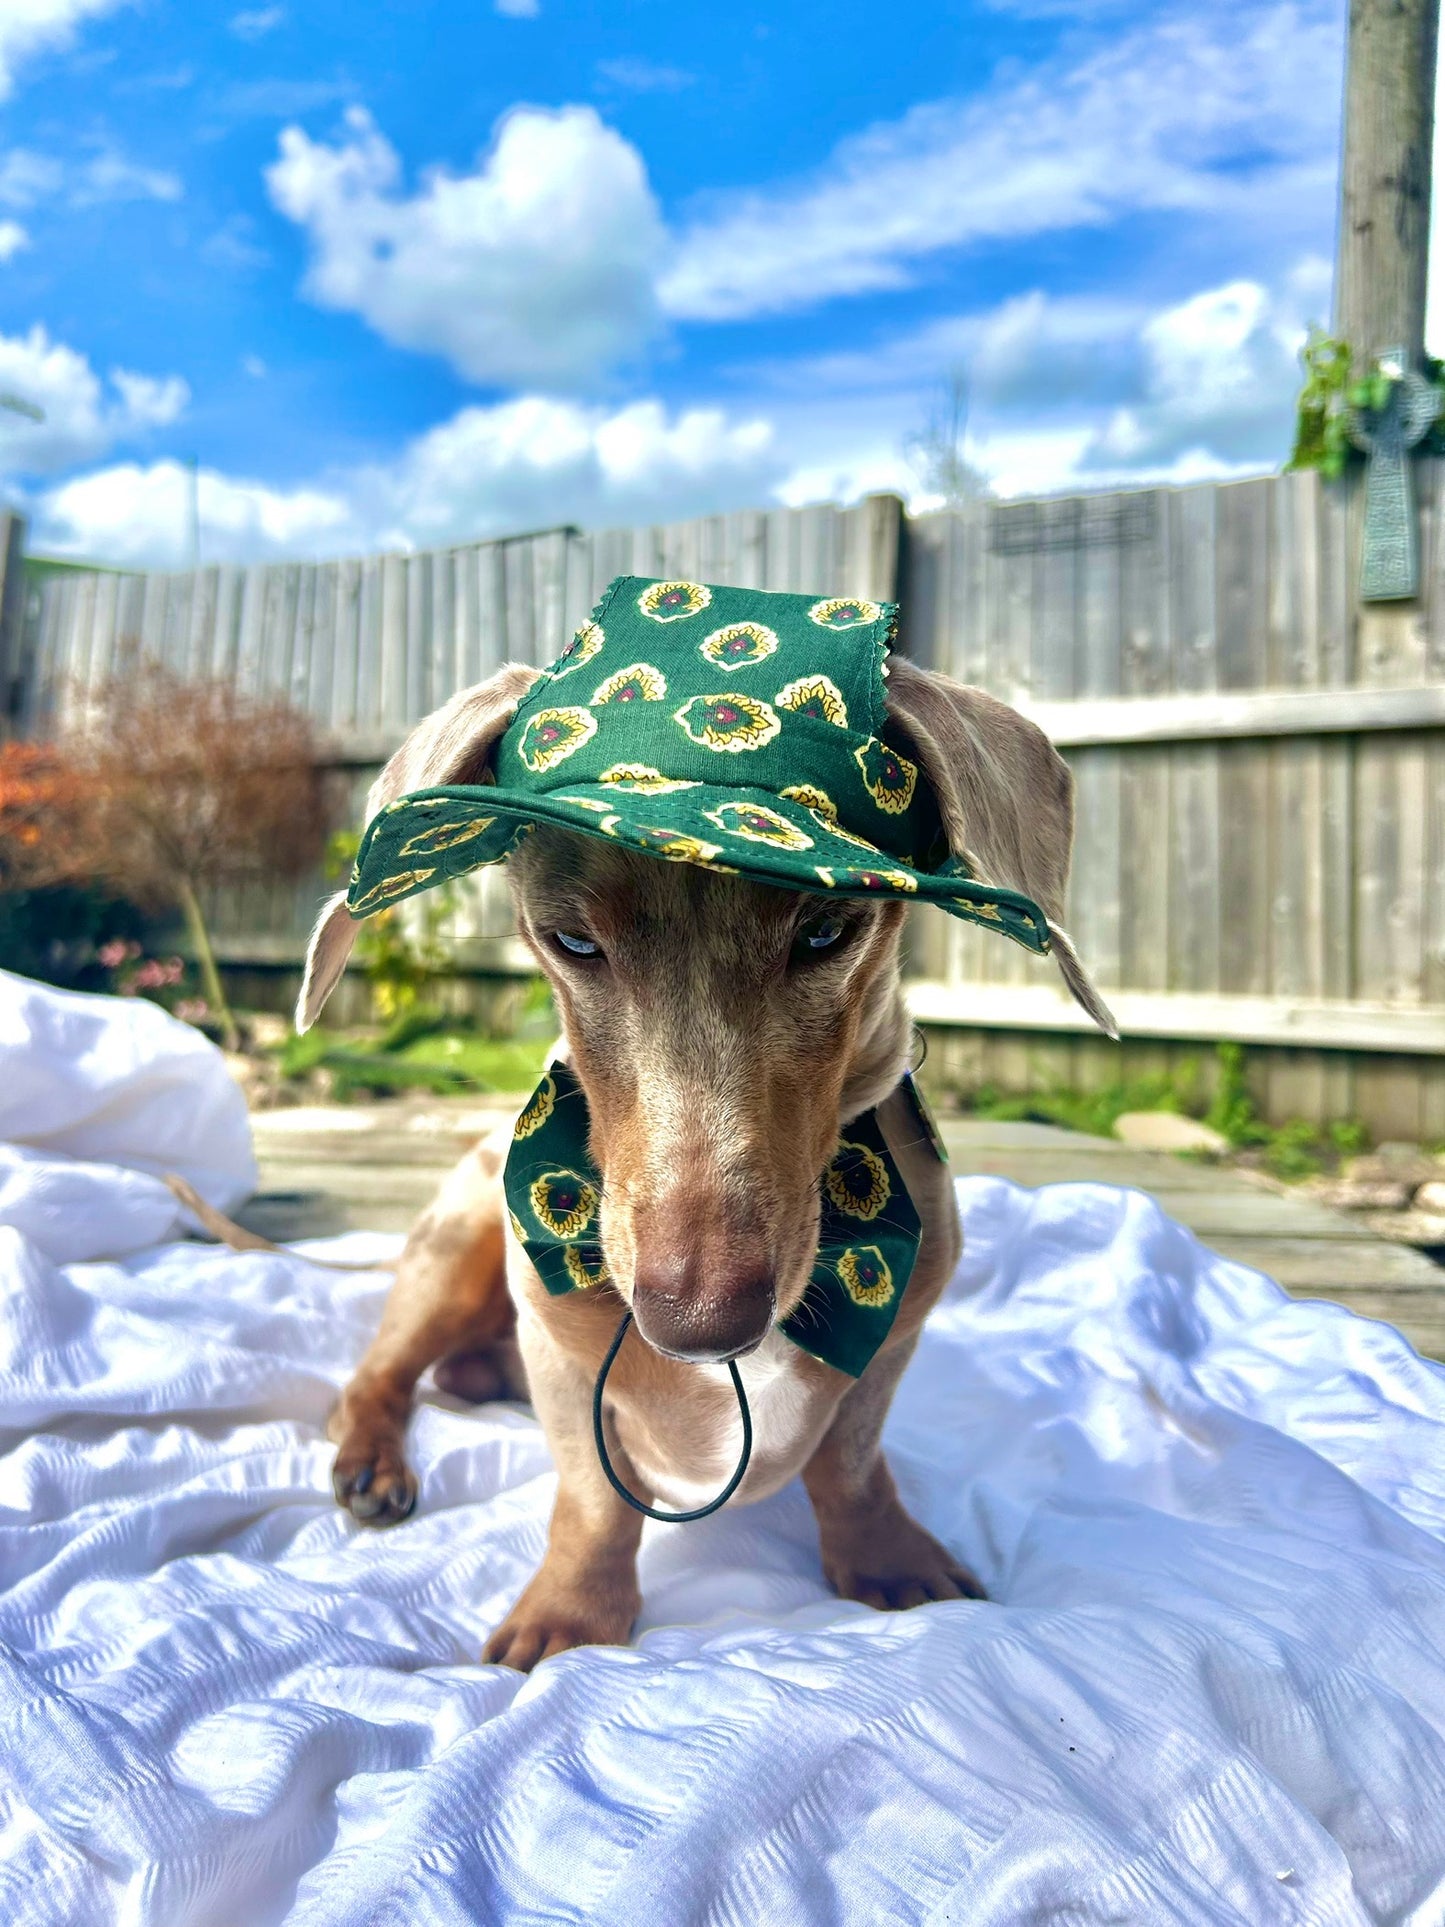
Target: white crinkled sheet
x=1209, y=1686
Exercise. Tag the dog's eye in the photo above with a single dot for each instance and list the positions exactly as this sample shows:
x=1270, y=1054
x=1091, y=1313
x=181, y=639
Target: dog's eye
x=576, y=946
x=824, y=934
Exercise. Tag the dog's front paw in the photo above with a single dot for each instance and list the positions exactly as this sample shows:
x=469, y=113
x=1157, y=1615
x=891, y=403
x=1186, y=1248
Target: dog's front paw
x=555, y=1614
x=892, y=1564
x=371, y=1478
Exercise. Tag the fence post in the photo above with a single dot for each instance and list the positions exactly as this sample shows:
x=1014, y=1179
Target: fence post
x=12, y=619
x=885, y=544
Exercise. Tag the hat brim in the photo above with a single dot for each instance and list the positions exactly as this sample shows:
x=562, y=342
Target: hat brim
x=434, y=835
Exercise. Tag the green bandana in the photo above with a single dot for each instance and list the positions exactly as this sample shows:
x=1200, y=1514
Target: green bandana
x=866, y=1246
x=739, y=729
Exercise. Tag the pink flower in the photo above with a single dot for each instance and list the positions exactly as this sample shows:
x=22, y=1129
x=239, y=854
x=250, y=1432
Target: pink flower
x=113, y=954
x=191, y=1010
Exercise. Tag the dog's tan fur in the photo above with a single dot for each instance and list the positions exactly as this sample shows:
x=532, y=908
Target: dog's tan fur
x=720, y=1059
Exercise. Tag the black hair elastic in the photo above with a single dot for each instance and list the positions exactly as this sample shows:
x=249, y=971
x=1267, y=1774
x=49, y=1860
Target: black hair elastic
x=668, y=1518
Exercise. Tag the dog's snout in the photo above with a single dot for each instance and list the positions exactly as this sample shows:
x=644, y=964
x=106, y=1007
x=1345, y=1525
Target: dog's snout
x=698, y=1304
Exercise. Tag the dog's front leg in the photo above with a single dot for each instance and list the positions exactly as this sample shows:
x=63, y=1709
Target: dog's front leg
x=585, y=1592
x=872, y=1550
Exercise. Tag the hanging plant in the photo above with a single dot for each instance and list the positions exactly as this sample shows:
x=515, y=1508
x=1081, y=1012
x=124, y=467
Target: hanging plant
x=1330, y=394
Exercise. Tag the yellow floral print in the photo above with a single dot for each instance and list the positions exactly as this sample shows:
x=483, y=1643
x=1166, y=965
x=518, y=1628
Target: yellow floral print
x=843, y=612
x=389, y=888
x=583, y=647
x=739, y=645
x=543, y=1103
x=815, y=696
x=889, y=777
x=758, y=824
x=879, y=880
x=674, y=601
x=675, y=845
x=446, y=836
x=563, y=1202
x=729, y=723
x=812, y=798
x=586, y=1266
x=552, y=735
x=864, y=1273
x=642, y=777
x=639, y=682
x=856, y=1180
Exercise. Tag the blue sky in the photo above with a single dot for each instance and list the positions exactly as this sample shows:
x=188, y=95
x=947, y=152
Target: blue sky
x=406, y=274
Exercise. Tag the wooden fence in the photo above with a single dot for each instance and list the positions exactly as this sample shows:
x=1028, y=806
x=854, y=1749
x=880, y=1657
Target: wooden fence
x=1260, y=776
x=369, y=646
x=1260, y=769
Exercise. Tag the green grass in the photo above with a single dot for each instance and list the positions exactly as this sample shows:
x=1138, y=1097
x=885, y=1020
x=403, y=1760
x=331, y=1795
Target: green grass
x=420, y=1052
x=1290, y=1151
x=1095, y=1112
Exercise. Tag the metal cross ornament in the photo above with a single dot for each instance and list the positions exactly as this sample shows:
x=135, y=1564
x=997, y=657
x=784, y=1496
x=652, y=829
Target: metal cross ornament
x=1390, y=555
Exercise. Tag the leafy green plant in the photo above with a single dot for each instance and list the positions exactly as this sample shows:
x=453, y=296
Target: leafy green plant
x=1290, y=1151
x=1232, y=1112
x=420, y=1051
x=1094, y=1112
x=1330, y=392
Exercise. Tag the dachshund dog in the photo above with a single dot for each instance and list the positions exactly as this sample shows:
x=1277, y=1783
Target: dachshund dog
x=724, y=1032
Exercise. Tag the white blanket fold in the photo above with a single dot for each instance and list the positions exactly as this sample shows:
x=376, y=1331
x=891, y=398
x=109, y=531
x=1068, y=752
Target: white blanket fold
x=99, y=1098
x=1208, y=1686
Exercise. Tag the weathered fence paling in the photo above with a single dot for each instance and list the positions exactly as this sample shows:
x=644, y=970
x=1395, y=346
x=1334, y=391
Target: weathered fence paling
x=1260, y=777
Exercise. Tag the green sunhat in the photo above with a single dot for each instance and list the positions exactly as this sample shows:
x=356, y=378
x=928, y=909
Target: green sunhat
x=742, y=730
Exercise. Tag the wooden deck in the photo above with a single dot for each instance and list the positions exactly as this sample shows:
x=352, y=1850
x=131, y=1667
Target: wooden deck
x=374, y=1167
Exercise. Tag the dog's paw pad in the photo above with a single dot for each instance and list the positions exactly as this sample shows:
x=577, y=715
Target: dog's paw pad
x=377, y=1489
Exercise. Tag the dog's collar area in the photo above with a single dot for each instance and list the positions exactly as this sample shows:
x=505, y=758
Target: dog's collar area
x=599, y=1433
x=869, y=1229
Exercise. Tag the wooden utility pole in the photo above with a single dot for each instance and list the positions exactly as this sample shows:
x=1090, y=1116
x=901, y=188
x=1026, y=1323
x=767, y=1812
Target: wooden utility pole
x=1384, y=235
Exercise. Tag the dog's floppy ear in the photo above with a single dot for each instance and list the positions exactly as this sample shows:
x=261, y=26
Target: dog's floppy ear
x=1005, y=795
x=452, y=745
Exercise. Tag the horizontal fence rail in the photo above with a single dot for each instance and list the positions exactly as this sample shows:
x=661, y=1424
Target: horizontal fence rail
x=1259, y=768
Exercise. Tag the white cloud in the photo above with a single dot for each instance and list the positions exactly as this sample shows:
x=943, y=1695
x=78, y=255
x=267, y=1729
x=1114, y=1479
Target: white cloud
x=83, y=419
x=150, y=401
x=233, y=245
x=536, y=269
x=1224, y=113
x=31, y=26
x=1065, y=392
x=1220, y=375
x=110, y=176
x=12, y=239
x=519, y=9
x=535, y=461
x=644, y=76
x=141, y=517
x=26, y=178
x=525, y=463
x=256, y=22
x=277, y=99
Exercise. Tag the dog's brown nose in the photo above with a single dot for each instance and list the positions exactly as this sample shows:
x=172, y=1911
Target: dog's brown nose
x=695, y=1304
